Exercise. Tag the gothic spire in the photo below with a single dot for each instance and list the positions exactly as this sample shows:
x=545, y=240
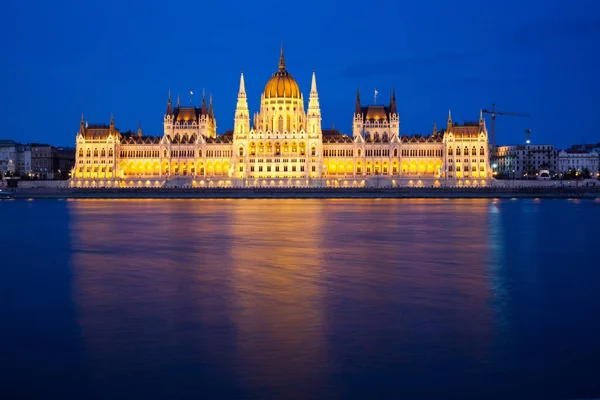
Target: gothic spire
x=281, y=59
x=178, y=102
x=242, y=85
x=82, y=124
x=313, y=85
x=169, y=105
x=449, y=119
x=357, y=111
x=203, y=102
x=393, y=101
x=210, y=107
x=139, y=131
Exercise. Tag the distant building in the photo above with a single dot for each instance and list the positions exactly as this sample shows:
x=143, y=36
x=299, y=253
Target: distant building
x=64, y=162
x=23, y=159
x=15, y=158
x=523, y=161
x=8, y=156
x=578, y=159
x=42, y=161
x=35, y=161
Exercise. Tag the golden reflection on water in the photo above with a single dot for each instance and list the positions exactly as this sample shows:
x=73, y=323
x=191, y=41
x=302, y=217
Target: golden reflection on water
x=281, y=291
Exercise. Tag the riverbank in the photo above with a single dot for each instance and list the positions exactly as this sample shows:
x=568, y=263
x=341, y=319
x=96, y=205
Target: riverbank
x=298, y=193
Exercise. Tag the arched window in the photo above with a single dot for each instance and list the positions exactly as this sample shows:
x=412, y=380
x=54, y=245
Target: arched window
x=288, y=123
x=359, y=152
x=395, y=152
x=280, y=124
x=313, y=151
x=474, y=151
x=165, y=153
x=466, y=168
x=110, y=152
x=481, y=151
x=376, y=136
x=449, y=151
x=241, y=151
x=450, y=168
x=103, y=153
x=466, y=151
x=80, y=152
x=294, y=148
x=95, y=152
x=458, y=152
x=385, y=136
x=277, y=148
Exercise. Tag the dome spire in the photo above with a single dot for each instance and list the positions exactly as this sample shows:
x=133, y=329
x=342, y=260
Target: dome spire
x=281, y=59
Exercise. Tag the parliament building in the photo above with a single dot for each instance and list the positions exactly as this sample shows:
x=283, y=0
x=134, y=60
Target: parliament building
x=282, y=145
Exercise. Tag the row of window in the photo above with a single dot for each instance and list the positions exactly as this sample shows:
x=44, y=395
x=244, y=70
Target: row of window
x=481, y=160
x=102, y=153
x=421, y=153
x=276, y=168
x=285, y=160
x=466, y=151
x=95, y=162
x=466, y=168
x=139, y=153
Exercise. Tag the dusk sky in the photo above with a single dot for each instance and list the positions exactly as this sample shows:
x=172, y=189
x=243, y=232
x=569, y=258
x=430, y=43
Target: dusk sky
x=121, y=57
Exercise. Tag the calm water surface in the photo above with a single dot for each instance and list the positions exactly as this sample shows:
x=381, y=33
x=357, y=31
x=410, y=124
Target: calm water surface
x=182, y=299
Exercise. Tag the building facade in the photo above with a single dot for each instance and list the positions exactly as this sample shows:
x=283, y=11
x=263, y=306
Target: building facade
x=283, y=144
x=579, y=162
x=524, y=161
x=15, y=158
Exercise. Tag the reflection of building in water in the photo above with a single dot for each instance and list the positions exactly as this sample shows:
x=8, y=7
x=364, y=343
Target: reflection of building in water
x=421, y=265
x=151, y=285
x=277, y=274
x=283, y=144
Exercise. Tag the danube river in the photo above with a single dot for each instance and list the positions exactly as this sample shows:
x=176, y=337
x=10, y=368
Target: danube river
x=282, y=299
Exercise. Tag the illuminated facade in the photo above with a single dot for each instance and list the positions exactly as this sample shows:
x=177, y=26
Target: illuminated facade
x=285, y=146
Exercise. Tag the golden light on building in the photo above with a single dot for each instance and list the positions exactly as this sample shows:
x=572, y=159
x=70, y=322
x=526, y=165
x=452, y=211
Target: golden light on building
x=283, y=144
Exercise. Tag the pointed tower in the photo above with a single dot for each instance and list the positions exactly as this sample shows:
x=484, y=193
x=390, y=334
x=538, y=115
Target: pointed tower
x=281, y=59
x=211, y=113
x=314, y=110
x=481, y=121
x=169, y=105
x=178, y=102
x=394, y=116
x=242, y=113
x=358, y=122
x=203, y=103
x=139, y=131
x=82, y=125
x=449, y=121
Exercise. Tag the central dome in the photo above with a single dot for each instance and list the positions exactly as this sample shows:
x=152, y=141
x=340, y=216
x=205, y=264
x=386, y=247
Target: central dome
x=281, y=83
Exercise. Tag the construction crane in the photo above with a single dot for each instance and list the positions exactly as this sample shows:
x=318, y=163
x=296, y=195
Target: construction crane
x=493, y=113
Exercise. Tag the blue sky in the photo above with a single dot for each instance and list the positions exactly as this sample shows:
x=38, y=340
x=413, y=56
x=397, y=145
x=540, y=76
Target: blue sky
x=121, y=57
